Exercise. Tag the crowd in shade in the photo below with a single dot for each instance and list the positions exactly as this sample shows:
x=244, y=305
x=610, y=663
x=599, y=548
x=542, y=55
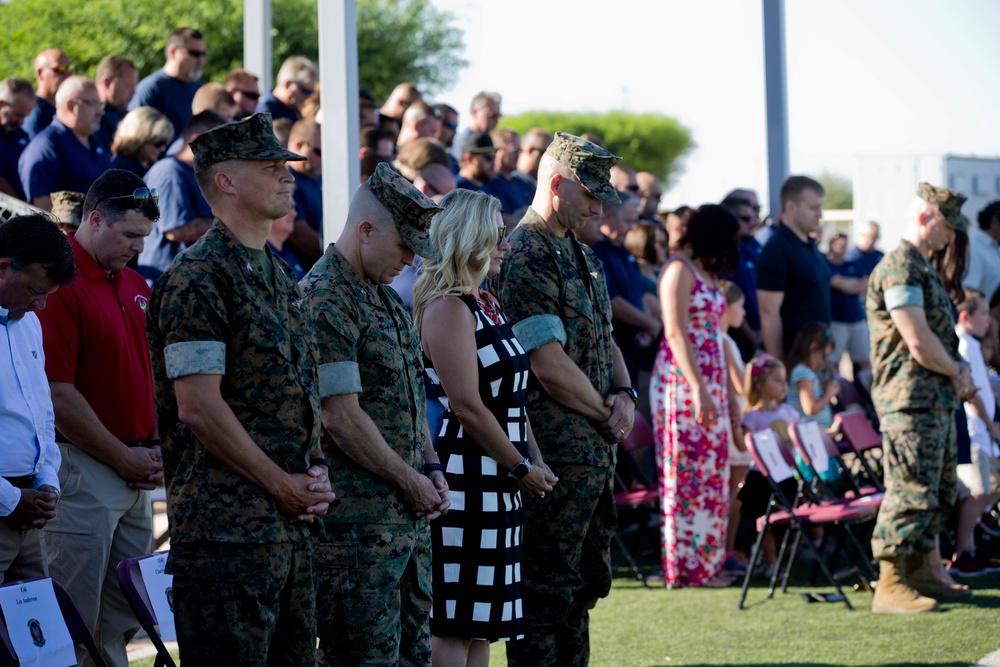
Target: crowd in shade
x=404, y=444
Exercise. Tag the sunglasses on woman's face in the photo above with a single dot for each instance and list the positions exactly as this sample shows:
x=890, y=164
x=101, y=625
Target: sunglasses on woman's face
x=501, y=234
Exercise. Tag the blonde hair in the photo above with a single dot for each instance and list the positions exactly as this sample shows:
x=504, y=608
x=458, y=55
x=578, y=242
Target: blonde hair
x=757, y=372
x=732, y=291
x=140, y=126
x=463, y=233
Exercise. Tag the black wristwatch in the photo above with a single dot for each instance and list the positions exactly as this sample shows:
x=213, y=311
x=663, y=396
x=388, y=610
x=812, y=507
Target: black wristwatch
x=521, y=470
x=628, y=391
x=320, y=461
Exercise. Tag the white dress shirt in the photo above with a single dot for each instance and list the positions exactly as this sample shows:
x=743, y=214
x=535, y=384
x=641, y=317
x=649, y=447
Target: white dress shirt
x=27, y=422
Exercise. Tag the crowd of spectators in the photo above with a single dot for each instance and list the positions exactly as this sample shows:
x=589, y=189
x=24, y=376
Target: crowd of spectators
x=725, y=322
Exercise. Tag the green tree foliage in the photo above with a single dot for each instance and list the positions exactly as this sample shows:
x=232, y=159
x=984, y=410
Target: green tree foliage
x=646, y=142
x=839, y=191
x=398, y=40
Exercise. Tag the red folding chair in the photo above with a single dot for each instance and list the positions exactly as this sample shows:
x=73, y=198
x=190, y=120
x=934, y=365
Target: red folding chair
x=818, y=452
x=130, y=580
x=640, y=494
x=78, y=630
x=861, y=438
x=776, y=464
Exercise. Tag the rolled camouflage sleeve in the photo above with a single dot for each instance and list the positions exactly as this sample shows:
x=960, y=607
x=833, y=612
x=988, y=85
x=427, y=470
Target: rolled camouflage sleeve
x=530, y=291
x=193, y=322
x=337, y=337
x=903, y=286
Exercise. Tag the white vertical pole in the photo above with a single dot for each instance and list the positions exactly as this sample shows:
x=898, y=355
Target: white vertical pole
x=257, y=56
x=338, y=74
x=776, y=95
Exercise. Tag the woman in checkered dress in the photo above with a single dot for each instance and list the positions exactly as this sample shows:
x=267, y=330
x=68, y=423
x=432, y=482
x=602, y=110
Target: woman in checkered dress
x=480, y=373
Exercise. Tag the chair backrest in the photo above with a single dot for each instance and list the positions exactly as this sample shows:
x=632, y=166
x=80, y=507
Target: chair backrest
x=79, y=633
x=859, y=432
x=136, y=590
x=130, y=581
x=810, y=441
x=639, y=450
x=771, y=455
x=640, y=436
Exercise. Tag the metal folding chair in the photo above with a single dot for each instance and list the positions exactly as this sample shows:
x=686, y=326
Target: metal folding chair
x=776, y=464
x=861, y=437
x=639, y=495
x=132, y=584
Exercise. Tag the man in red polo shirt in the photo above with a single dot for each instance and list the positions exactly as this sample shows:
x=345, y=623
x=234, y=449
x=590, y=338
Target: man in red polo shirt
x=98, y=367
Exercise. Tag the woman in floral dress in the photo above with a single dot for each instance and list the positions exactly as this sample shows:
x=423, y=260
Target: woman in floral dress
x=690, y=403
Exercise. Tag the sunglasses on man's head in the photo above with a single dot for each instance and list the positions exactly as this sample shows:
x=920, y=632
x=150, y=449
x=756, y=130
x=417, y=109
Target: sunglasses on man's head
x=249, y=94
x=139, y=198
x=61, y=69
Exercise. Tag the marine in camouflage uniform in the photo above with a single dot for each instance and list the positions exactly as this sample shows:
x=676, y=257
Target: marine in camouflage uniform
x=243, y=587
x=373, y=568
x=915, y=404
x=553, y=289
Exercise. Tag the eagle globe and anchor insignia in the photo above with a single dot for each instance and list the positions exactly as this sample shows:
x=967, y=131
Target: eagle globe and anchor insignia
x=37, y=638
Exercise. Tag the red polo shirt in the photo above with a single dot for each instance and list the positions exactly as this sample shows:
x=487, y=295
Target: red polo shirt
x=94, y=334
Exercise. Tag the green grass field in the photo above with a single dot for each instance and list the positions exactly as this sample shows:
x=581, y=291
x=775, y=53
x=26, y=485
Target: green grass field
x=635, y=627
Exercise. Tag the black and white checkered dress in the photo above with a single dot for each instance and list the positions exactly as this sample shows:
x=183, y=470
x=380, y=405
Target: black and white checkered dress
x=478, y=584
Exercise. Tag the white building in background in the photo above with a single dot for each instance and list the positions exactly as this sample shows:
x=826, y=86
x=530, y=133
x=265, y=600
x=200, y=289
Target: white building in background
x=885, y=185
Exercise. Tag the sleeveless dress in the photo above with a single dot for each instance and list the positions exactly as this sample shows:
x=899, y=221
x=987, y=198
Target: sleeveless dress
x=477, y=574
x=693, y=460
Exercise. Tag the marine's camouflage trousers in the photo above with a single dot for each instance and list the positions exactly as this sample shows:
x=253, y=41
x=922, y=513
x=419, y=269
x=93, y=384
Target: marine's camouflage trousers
x=567, y=565
x=373, y=594
x=920, y=463
x=244, y=604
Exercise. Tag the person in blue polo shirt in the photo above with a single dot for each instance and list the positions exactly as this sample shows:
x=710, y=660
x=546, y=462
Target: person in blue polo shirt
x=634, y=329
x=67, y=155
x=171, y=89
x=184, y=212
x=52, y=67
x=307, y=237
x=17, y=99
x=296, y=82
x=793, y=278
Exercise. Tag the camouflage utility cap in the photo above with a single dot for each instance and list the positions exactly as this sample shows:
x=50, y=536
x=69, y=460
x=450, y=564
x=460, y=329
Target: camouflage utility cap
x=410, y=208
x=248, y=139
x=948, y=202
x=67, y=206
x=591, y=164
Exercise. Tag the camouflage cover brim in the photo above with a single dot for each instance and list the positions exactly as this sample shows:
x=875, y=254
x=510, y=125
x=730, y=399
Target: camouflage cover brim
x=600, y=187
x=417, y=241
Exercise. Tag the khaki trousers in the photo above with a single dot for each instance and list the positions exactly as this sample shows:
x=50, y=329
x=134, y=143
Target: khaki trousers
x=21, y=555
x=100, y=522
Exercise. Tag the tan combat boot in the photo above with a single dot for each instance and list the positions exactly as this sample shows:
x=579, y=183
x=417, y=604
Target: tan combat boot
x=892, y=596
x=920, y=576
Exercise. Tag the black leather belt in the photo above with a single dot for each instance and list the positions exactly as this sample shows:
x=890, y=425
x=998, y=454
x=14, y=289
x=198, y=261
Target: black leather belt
x=22, y=482
x=149, y=442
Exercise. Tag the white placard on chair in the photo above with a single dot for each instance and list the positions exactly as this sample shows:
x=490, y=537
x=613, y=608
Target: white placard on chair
x=159, y=588
x=769, y=450
x=36, y=626
x=811, y=437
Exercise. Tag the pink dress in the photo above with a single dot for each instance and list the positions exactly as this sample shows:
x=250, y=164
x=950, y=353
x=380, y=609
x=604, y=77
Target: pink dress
x=693, y=460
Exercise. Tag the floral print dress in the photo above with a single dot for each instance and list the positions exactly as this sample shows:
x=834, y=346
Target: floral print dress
x=693, y=460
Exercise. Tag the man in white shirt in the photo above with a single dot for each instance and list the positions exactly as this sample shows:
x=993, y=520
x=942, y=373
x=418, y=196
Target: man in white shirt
x=984, y=252
x=35, y=259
